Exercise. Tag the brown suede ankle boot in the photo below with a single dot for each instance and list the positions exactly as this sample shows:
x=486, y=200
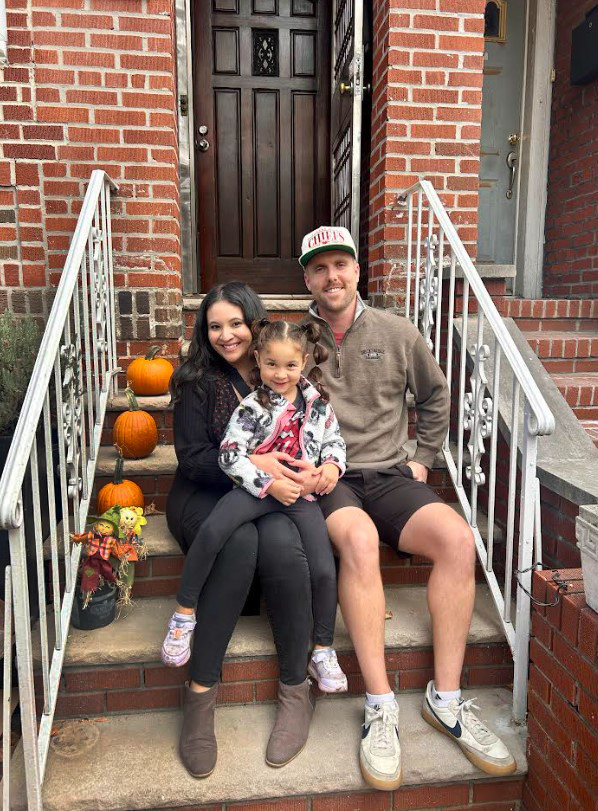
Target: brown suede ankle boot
x=293, y=716
x=197, y=744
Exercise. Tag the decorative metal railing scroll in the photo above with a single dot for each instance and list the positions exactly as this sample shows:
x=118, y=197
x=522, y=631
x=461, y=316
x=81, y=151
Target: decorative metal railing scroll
x=53, y=455
x=468, y=337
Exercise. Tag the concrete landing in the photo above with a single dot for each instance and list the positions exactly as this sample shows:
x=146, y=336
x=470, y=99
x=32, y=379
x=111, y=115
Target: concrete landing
x=137, y=635
x=130, y=761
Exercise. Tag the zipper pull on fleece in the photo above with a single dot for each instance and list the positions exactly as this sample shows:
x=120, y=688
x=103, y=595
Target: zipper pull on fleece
x=338, y=360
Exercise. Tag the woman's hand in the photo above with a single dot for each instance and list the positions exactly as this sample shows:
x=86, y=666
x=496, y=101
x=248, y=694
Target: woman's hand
x=329, y=474
x=271, y=463
x=285, y=491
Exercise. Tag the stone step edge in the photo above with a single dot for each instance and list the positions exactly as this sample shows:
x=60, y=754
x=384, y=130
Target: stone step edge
x=136, y=637
x=327, y=766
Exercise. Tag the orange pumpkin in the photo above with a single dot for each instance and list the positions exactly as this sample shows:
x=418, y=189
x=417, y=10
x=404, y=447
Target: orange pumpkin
x=135, y=431
x=151, y=375
x=119, y=492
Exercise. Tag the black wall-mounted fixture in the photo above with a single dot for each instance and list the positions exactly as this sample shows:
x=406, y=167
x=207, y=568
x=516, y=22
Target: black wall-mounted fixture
x=584, y=49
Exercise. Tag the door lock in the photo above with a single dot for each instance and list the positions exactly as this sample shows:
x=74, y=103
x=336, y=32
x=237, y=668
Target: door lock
x=203, y=145
x=511, y=163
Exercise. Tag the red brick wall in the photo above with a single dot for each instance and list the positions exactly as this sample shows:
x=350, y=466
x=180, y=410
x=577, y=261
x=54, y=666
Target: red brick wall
x=91, y=83
x=426, y=114
x=571, y=250
x=563, y=698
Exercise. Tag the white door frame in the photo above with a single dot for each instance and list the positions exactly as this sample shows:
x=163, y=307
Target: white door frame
x=534, y=149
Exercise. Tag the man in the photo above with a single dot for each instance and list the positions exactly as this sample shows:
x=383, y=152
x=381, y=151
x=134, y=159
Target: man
x=374, y=358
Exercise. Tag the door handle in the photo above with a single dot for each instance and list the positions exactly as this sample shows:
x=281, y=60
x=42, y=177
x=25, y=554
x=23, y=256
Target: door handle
x=345, y=88
x=511, y=163
x=203, y=145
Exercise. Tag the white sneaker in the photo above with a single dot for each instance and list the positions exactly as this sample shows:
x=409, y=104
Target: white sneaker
x=479, y=744
x=380, y=751
x=327, y=673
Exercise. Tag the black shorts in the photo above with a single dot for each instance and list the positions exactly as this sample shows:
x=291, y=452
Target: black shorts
x=390, y=497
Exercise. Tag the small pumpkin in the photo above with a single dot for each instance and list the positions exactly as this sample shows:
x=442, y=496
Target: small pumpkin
x=135, y=431
x=119, y=492
x=151, y=375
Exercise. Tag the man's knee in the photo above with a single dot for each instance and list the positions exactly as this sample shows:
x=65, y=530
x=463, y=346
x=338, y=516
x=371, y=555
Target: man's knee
x=358, y=548
x=458, y=546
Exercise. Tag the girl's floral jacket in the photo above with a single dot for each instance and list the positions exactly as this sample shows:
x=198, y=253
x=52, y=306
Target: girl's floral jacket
x=252, y=427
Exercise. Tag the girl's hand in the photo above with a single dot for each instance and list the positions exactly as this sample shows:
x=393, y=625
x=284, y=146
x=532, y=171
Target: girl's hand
x=271, y=463
x=285, y=491
x=329, y=474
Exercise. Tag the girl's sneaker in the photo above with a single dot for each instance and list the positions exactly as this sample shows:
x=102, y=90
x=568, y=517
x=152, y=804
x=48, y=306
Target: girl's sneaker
x=176, y=648
x=325, y=669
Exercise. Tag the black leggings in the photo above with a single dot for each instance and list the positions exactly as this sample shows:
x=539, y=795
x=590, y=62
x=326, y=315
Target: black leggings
x=239, y=507
x=284, y=579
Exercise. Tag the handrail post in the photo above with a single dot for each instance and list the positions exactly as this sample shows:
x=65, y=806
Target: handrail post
x=527, y=511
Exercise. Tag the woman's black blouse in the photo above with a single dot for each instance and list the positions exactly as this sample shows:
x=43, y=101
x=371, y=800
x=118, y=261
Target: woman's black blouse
x=199, y=424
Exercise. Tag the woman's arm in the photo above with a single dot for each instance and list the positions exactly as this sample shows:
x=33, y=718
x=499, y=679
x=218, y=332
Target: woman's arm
x=196, y=452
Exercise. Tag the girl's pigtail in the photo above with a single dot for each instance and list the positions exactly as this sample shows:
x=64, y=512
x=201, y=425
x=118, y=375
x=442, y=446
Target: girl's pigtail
x=257, y=327
x=255, y=380
x=319, y=354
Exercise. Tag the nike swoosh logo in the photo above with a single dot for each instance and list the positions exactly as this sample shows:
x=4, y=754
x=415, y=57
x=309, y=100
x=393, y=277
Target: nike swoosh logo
x=455, y=731
x=365, y=731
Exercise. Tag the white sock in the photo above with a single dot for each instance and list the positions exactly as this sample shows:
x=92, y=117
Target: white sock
x=184, y=617
x=377, y=701
x=320, y=654
x=442, y=698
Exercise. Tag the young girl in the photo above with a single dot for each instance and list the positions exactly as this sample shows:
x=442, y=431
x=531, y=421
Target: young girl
x=289, y=414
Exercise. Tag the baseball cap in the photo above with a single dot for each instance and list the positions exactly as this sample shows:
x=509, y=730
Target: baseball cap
x=326, y=238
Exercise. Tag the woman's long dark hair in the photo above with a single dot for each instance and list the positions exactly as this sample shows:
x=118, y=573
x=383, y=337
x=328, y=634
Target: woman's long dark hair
x=265, y=331
x=202, y=362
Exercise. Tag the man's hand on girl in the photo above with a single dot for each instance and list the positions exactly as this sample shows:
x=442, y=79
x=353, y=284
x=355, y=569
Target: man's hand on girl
x=285, y=491
x=420, y=472
x=329, y=474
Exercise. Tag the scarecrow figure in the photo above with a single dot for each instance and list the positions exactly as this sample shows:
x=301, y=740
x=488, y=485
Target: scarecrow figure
x=101, y=544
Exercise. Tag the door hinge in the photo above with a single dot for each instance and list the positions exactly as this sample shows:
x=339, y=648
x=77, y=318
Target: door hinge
x=184, y=104
x=553, y=75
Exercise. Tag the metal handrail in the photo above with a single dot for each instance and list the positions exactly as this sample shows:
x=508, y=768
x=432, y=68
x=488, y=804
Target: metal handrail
x=544, y=419
x=11, y=514
x=445, y=320
x=73, y=376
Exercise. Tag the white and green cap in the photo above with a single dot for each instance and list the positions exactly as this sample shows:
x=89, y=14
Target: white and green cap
x=326, y=238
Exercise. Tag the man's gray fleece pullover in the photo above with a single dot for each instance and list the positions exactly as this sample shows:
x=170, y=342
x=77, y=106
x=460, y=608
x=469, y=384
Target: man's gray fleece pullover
x=383, y=355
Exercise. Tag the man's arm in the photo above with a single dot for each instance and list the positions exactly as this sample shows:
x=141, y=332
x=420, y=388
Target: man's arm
x=432, y=405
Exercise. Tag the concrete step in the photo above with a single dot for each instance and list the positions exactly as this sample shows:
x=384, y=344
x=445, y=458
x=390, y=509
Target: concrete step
x=130, y=762
x=118, y=668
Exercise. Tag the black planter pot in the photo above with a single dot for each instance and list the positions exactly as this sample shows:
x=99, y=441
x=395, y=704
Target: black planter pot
x=29, y=521
x=100, y=610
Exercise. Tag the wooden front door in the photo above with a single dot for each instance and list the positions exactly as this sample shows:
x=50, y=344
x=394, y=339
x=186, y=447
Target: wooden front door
x=262, y=99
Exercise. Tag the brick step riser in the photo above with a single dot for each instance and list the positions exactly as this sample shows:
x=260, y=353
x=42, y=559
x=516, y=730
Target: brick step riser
x=547, y=308
x=160, y=576
x=564, y=366
x=573, y=325
x=586, y=412
x=490, y=794
x=142, y=686
x=571, y=349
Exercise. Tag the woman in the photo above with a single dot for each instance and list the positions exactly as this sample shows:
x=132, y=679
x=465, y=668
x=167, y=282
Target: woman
x=205, y=391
